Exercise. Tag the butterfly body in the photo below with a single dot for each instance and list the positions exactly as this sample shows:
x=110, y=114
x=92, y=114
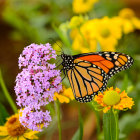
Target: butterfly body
x=67, y=62
x=89, y=73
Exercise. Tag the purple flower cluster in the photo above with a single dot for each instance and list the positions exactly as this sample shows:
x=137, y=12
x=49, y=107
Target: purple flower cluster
x=35, y=120
x=37, y=55
x=36, y=84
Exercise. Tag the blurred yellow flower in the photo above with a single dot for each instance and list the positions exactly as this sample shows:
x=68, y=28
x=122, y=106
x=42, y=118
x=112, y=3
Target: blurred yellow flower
x=104, y=31
x=83, y=6
x=129, y=21
x=73, y=33
x=76, y=21
x=84, y=45
x=127, y=13
x=114, y=98
x=64, y=96
x=13, y=130
x=107, y=33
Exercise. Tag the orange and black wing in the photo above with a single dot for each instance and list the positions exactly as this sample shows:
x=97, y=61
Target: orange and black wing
x=110, y=62
x=86, y=80
x=90, y=72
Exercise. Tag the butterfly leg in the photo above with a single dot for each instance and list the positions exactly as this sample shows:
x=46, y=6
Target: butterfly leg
x=64, y=74
x=58, y=65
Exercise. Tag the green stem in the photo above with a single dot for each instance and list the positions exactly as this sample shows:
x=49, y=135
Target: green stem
x=63, y=38
x=110, y=125
x=98, y=122
x=59, y=119
x=97, y=119
x=117, y=124
x=80, y=123
x=6, y=93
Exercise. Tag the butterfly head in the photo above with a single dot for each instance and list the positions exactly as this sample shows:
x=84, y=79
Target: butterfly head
x=67, y=61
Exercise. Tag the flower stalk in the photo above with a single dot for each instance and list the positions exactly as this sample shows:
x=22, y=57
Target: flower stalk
x=6, y=93
x=110, y=125
x=84, y=39
x=80, y=123
x=59, y=119
x=97, y=117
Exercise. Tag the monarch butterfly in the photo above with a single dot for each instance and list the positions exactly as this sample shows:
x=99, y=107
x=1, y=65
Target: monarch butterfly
x=88, y=73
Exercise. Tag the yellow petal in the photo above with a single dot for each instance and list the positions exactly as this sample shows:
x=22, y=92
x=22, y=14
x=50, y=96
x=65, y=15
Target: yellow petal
x=2, y=128
x=7, y=138
x=118, y=90
x=31, y=135
x=21, y=138
x=68, y=93
x=136, y=23
x=3, y=131
x=105, y=110
x=63, y=99
x=14, y=138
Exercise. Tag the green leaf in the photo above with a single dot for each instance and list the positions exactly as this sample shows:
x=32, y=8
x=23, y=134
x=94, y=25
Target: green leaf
x=76, y=135
x=110, y=125
x=64, y=39
x=3, y=114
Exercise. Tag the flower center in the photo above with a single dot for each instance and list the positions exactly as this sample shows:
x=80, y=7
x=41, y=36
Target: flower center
x=14, y=127
x=111, y=98
x=105, y=33
x=128, y=15
x=85, y=1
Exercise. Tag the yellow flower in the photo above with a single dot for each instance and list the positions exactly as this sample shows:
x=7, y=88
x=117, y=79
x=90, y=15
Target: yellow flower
x=129, y=21
x=127, y=13
x=114, y=98
x=76, y=21
x=73, y=33
x=84, y=40
x=104, y=31
x=84, y=46
x=13, y=130
x=83, y=6
x=64, y=96
x=107, y=33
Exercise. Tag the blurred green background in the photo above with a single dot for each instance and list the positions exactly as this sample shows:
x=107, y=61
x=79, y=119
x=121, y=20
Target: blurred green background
x=23, y=22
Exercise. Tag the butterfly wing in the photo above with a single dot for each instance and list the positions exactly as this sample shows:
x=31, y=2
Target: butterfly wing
x=86, y=80
x=110, y=62
x=88, y=73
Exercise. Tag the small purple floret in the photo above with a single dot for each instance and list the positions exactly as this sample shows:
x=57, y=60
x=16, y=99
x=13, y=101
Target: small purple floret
x=35, y=120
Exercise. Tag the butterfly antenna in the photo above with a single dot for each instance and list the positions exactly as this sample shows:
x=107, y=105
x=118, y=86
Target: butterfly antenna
x=58, y=51
x=62, y=70
x=64, y=74
x=63, y=78
x=59, y=65
x=58, y=61
x=57, y=44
